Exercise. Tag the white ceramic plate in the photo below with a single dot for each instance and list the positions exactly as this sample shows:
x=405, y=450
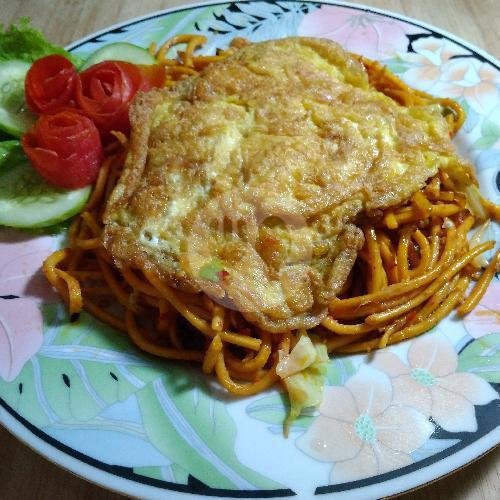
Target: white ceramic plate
x=84, y=397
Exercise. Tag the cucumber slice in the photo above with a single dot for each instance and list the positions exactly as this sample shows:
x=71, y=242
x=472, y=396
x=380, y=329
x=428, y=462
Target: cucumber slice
x=26, y=200
x=120, y=51
x=15, y=118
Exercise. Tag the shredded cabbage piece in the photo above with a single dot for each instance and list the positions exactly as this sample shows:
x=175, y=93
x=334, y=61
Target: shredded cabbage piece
x=303, y=372
x=474, y=199
x=477, y=238
x=302, y=356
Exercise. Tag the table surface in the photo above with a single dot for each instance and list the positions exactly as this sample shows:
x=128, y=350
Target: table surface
x=23, y=473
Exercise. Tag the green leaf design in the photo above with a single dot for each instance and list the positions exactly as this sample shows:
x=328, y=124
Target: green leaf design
x=275, y=409
x=194, y=429
x=490, y=134
x=270, y=409
x=180, y=22
x=339, y=370
x=84, y=367
x=491, y=128
x=161, y=29
x=485, y=142
x=152, y=472
x=22, y=395
x=81, y=369
x=482, y=357
x=397, y=65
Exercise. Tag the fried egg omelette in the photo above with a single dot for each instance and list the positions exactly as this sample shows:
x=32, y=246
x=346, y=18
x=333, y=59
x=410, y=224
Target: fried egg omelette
x=247, y=181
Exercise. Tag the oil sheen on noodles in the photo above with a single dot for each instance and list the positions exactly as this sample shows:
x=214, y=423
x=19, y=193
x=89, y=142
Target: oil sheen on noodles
x=414, y=269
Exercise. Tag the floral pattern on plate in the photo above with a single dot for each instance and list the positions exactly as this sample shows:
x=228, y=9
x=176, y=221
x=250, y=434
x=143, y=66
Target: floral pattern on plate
x=20, y=335
x=485, y=318
x=369, y=433
x=436, y=67
x=81, y=384
x=430, y=383
x=372, y=35
x=22, y=288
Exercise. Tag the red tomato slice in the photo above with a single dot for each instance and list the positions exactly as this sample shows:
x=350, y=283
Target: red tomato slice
x=50, y=84
x=153, y=76
x=65, y=149
x=104, y=92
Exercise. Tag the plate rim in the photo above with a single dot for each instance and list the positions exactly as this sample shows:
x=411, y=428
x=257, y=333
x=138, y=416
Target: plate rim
x=14, y=424
x=359, y=6
x=121, y=485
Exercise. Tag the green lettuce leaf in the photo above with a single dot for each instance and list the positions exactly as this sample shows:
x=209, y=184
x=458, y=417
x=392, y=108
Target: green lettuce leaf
x=11, y=153
x=22, y=41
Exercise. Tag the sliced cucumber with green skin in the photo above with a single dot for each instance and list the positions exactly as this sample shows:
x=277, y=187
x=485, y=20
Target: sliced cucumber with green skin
x=26, y=200
x=15, y=118
x=120, y=51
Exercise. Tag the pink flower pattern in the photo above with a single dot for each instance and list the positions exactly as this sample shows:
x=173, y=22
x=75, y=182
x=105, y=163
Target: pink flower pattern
x=21, y=337
x=434, y=69
x=373, y=423
x=372, y=35
x=485, y=318
x=361, y=431
x=21, y=265
x=427, y=62
x=476, y=82
x=430, y=384
x=21, y=322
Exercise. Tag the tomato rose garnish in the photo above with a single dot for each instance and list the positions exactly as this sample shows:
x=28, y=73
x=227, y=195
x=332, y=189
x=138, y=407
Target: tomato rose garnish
x=50, y=84
x=104, y=92
x=65, y=148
